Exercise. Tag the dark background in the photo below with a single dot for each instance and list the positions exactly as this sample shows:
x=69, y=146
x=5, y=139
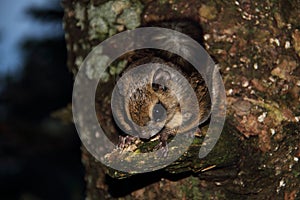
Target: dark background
x=40, y=155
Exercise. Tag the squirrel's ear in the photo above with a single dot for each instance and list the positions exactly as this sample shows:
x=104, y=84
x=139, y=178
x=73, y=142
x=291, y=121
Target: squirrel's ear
x=161, y=77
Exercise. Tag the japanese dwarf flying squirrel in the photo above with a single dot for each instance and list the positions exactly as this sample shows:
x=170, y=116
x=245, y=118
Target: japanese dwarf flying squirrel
x=152, y=108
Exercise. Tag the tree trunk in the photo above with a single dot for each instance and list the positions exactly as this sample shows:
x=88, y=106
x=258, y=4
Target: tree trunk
x=257, y=47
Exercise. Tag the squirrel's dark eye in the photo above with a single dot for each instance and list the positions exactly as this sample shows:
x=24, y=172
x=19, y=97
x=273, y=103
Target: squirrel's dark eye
x=156, y=87
x=159, y=113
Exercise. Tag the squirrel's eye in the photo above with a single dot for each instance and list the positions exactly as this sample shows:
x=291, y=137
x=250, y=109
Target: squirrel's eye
x=159, y=113
x=157, y=87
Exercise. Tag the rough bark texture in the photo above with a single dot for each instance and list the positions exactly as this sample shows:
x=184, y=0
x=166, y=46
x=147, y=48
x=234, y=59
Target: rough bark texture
x=257, y=46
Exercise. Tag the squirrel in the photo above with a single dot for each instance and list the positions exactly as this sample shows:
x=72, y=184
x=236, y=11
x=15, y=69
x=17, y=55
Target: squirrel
x=153, y=107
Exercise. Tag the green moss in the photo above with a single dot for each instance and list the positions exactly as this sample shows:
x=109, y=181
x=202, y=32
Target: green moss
x=104, y=21
x=191, y=189
x=112, y=17
x=296, y=173
x=116, y=69
x=80, y=15
x=225, y=153
x=78, y=61
x=96, y=64
x=130, y=17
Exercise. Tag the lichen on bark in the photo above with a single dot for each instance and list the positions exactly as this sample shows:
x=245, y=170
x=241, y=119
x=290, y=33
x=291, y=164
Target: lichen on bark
x=256, y=46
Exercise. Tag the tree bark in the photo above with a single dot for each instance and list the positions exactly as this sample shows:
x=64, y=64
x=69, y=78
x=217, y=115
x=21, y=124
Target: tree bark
x=257, y=46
